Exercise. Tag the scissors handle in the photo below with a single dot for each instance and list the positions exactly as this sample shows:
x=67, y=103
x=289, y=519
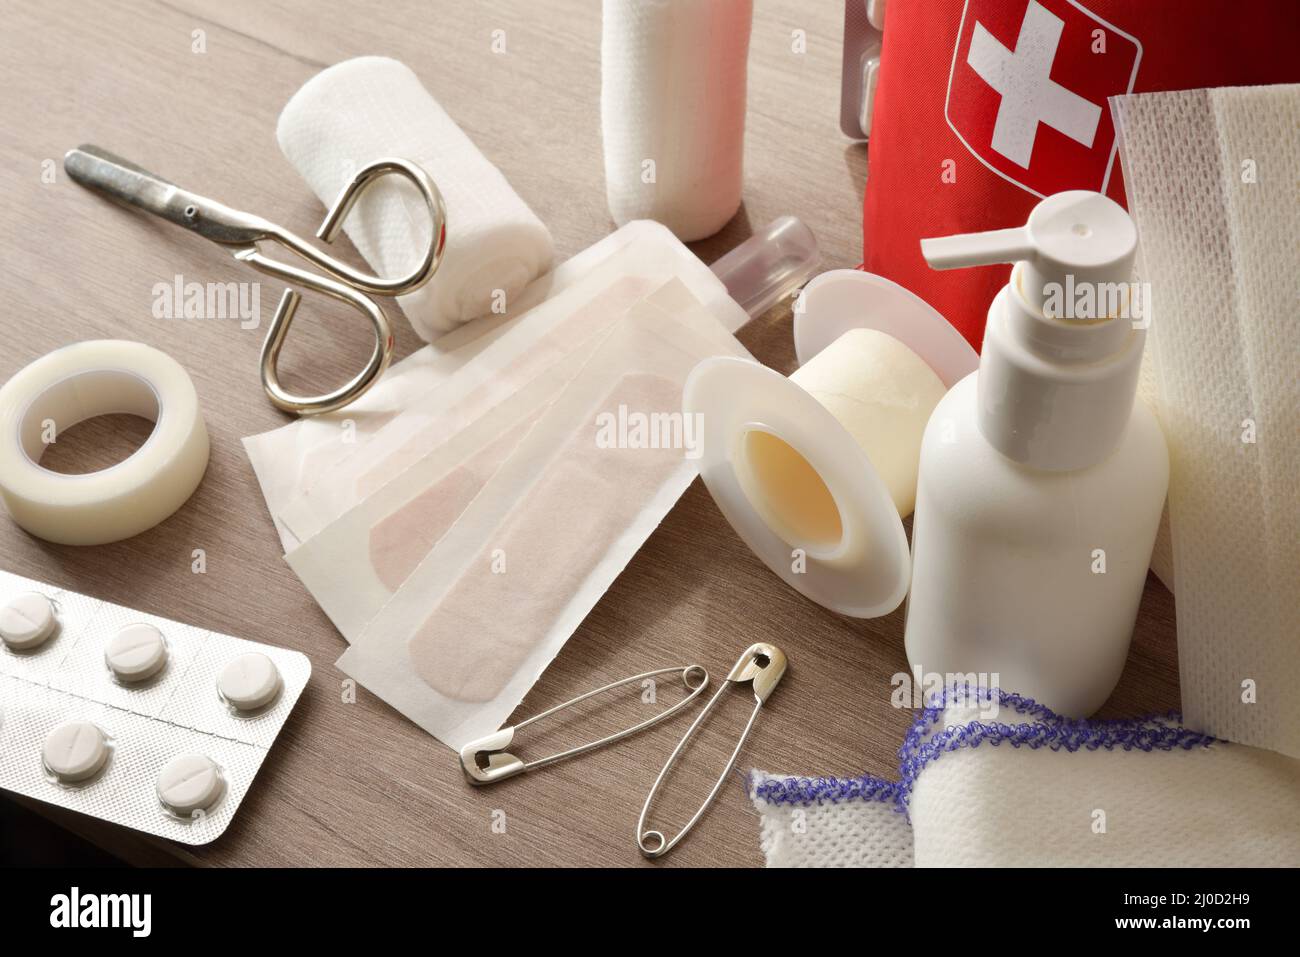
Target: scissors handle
x=380, y=355
x=352, y=191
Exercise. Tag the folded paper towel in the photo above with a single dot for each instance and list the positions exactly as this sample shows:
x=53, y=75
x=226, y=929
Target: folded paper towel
x=1030, y=788
x=371, y=107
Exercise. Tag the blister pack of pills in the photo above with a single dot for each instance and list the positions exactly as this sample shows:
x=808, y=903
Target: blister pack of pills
x=132, y=718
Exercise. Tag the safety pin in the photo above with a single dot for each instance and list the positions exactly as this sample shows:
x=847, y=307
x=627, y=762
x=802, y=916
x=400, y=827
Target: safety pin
x=486, y=760
x=762, y=665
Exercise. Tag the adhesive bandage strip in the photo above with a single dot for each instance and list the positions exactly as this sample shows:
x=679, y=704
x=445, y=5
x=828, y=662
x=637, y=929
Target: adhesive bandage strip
x=353, y=565
x=79, y=382
x=289, y=460
x=579, y=314
x=134, y=719
x=587, y=491
x=555, y=525
x=550, y=331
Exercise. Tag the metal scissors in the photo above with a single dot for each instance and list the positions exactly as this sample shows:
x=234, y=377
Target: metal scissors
x=241, y=232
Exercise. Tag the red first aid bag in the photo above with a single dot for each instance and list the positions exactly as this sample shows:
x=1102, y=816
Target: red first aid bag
x=985, y=106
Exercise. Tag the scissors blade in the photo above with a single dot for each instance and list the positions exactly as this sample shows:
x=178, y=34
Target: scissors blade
x=127, y=183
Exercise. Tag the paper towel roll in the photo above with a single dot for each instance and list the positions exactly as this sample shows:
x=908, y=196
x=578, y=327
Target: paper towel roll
x=672, y=106
x=360, y=110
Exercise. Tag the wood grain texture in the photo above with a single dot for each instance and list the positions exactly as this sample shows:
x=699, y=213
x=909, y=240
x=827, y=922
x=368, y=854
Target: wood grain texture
x=356, y=783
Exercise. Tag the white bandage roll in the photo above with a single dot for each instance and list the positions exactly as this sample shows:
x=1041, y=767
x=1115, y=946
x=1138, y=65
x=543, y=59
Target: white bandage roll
x=672, y=110
x=79, y=382
x=368, y=108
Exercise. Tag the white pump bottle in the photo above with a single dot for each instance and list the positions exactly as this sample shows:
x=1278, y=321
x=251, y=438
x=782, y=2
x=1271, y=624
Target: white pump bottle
x=1041, y=478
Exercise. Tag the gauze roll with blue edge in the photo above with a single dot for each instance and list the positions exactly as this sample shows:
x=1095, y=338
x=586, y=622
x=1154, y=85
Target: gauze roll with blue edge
x=363, y=109
x=672, y=109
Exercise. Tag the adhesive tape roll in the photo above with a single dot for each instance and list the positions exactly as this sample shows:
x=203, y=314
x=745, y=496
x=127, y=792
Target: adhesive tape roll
x=79, y=382
x=816, y=472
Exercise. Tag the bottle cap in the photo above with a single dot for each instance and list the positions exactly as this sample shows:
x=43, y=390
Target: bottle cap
x=1058, y=372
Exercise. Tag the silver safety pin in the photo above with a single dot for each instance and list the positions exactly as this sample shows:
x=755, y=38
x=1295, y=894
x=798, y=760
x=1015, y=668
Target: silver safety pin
x=242, y=232
x=487, y=761
x=762, y=665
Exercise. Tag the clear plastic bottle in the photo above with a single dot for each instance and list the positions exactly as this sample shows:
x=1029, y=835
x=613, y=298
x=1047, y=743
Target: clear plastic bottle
x=1041, y=477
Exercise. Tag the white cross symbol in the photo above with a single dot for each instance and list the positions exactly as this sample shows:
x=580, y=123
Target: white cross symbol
x=1029, y=95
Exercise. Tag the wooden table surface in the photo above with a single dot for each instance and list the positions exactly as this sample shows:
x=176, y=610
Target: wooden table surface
x=355, y=783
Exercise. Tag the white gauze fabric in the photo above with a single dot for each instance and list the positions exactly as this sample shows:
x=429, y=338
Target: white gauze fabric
x=1028, y=788
x=865, y=830
x=371, y=107
x=1211, y=182
x=672, y=108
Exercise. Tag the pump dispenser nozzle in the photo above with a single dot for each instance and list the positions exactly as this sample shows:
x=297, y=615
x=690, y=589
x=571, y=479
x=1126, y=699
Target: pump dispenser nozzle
x=1076, y=236
x=1059, y=366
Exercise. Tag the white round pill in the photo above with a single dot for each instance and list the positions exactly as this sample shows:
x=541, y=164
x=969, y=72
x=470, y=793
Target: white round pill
x=75, y=751
x=136, y=652
x=27, y=620
x=249, y=682
x=189, y=783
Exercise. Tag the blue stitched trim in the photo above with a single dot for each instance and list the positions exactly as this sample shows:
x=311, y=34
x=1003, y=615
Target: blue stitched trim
x=925, y=743
x=806, y=791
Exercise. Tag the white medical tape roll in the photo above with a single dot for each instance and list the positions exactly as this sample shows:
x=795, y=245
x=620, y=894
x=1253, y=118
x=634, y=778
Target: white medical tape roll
x=79, y=382
x=817, y=471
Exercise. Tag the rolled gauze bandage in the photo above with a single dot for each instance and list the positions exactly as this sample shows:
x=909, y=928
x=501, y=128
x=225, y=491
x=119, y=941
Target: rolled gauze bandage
x=672, y=107
x=373, y=107
x=79, y=382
